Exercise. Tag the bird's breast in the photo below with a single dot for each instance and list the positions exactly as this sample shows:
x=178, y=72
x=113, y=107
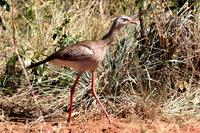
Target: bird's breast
x=100, y=53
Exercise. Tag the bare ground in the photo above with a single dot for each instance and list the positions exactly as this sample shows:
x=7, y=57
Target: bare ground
x=100, y=125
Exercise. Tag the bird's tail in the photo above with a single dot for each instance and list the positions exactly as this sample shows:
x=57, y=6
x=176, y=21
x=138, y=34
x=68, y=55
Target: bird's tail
x=37, y=64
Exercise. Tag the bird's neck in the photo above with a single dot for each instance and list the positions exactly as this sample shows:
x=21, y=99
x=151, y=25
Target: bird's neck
x=109, y=37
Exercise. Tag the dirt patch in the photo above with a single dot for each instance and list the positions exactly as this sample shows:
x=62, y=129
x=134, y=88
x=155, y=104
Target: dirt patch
x=99, y=125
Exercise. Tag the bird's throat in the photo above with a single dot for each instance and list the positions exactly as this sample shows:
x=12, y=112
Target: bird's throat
x=109, y=37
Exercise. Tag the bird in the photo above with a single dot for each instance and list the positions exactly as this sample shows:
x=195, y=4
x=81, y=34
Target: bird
x=86, y=56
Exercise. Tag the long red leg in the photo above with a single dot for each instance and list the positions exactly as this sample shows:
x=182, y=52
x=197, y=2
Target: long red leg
x=96, y=97
x=72, y=95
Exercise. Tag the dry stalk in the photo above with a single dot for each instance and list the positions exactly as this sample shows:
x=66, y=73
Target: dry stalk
x=20, y=60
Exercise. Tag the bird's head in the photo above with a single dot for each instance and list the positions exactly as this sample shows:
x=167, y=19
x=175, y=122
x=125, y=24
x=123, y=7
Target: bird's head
x=118, y=23
x=124, y=20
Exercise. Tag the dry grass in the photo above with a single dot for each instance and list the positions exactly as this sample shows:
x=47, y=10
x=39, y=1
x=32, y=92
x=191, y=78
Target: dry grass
x=152, y=70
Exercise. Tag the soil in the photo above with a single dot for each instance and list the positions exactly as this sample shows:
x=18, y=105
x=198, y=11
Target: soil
x=99, y=125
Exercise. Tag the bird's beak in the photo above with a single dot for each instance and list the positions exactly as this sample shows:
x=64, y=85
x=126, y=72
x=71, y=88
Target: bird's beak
x=133, y=20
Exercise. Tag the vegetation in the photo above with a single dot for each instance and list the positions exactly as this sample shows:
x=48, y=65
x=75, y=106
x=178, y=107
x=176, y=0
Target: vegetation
x=152, y=70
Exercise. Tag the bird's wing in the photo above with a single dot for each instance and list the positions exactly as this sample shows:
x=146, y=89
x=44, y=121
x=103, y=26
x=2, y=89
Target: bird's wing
x=74, y=52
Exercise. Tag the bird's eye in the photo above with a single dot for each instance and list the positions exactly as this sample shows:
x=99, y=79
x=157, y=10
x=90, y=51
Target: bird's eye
x=124, y=19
